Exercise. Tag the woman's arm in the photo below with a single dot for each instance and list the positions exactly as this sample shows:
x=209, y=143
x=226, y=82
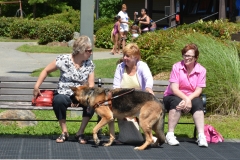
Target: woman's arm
x=117, y=77
x=145, y=22
x=48, y=69
x=91, y=82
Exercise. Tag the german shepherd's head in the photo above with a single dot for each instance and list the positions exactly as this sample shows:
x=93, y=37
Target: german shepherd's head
x=87, y=96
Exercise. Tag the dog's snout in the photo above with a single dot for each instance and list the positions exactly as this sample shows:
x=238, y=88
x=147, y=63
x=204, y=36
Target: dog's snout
x=73, y=99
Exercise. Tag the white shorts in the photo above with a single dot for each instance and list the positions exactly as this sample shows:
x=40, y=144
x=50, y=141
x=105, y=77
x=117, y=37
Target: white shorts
x=124, y=27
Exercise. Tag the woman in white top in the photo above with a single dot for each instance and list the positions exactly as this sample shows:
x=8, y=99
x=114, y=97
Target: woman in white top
x=124, y=28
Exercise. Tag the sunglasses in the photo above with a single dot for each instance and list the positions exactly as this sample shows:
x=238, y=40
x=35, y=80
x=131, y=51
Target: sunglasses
x=88, y=50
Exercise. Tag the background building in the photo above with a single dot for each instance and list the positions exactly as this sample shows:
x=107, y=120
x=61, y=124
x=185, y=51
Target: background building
x=188, y=10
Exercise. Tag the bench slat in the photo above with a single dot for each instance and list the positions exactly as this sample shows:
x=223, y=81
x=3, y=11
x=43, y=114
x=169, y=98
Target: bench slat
x=16, y=91
x=35, y=108
x=26, y=79
x=27, y=85
x=16, y=98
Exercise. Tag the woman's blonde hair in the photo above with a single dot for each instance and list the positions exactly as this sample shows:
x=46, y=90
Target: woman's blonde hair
x=132, y=49
x=81, y=44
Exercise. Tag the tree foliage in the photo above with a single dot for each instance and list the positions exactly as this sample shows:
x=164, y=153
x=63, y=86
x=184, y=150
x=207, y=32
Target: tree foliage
x=109, y=8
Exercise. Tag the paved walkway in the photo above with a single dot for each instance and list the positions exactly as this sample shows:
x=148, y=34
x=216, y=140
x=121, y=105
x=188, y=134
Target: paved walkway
x=16, y=63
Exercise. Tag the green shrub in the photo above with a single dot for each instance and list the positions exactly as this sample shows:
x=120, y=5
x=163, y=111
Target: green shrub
x=55, y=31
x=103, y=37
x=99, y=23
x=155, y=48
x=24, y=28
x=4, y=25
x=218, y=28
x=70, y=16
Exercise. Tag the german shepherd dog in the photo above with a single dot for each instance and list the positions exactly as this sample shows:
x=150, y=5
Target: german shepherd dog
x=121, y=103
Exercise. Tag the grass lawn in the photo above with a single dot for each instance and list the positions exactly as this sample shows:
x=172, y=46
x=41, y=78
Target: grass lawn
x=7, y=39
x=52, y=49
x=226, y=125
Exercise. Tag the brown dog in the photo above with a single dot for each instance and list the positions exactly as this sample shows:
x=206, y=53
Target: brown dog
x=121, y=103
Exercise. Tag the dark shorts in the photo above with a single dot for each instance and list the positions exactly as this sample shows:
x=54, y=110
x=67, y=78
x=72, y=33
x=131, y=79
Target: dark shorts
x=171, y=101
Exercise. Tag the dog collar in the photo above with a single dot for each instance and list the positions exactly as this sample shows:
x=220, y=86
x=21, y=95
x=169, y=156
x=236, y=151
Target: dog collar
x=109, y=98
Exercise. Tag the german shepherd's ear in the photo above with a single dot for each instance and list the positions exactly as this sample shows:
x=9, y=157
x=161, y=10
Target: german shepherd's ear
x=106, y=90
x=73, y=88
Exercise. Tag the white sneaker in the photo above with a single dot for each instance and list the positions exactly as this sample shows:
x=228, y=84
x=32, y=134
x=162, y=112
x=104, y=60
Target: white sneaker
x=171, y=140
x=202, y=142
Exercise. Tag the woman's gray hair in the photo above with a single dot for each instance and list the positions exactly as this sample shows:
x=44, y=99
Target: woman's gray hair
x=81, y=44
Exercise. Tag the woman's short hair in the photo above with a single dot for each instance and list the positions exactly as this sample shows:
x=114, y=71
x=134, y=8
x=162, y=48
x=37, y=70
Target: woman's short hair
x=81, y=44
x=132, y=49
x=124, y=6
x=189, y=47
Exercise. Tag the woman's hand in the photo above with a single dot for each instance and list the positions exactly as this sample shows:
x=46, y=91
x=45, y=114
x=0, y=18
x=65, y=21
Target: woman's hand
x=36, y=92
x=188, y=105
x=181, y=105
x=150, y=90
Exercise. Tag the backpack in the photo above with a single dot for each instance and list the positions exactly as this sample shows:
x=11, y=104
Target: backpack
x=212, y=136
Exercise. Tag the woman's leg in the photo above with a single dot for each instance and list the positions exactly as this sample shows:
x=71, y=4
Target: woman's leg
x=60, y=104
x=198, y=117
x=87, y=115
x=170, y=103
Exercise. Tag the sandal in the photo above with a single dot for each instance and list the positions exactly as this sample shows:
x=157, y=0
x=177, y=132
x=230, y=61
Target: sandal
x=80, y=139
x=62, y=138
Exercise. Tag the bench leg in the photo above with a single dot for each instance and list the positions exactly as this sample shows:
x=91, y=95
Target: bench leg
x=195, y=132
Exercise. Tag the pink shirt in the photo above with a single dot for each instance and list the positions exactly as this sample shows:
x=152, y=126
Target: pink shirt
x=187, y=84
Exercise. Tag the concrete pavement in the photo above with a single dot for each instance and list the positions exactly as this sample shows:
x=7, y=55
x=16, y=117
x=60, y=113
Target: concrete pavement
x=16, y=63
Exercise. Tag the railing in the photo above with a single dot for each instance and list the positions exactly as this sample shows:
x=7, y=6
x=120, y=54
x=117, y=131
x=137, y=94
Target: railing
x=205, y=17
x=165, y=17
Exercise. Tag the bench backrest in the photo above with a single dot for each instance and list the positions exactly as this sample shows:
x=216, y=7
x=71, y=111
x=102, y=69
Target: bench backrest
x=17, y=89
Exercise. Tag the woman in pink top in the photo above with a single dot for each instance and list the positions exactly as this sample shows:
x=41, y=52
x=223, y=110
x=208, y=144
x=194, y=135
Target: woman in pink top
x=187, y=80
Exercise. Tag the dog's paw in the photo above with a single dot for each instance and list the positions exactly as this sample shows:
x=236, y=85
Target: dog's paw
x=138, y=148
x=107, y=144
x=97, y=141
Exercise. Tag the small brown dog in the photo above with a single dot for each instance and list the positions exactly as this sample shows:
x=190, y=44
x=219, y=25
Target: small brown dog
x=121, y=103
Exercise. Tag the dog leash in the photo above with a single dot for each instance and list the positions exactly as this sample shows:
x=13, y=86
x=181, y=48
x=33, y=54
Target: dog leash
x=108, y=102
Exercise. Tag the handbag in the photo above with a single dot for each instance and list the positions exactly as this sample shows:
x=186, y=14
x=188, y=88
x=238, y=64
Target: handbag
x=212, y=135
x=45, y=99
x=129, y=132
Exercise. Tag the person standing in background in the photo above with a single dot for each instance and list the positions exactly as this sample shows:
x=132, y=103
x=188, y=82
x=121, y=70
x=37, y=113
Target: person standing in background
x=124, y=28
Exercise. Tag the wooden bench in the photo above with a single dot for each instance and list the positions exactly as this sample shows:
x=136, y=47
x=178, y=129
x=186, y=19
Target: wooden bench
x=16, y=93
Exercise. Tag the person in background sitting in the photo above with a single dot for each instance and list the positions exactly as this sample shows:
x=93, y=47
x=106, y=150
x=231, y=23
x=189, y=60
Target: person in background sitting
x=135, y=30
x=144, y=20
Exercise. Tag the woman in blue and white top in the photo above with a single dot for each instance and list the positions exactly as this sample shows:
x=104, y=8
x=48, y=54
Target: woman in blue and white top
x=76, y=69
x=124, y=28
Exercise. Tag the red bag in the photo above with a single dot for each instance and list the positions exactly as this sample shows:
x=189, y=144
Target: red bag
x=212, y=136
x=44, y=100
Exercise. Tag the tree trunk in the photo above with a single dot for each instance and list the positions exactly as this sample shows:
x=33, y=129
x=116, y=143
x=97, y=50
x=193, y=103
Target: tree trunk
x=34, y=10
x=172, y=21
x=222, y=9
